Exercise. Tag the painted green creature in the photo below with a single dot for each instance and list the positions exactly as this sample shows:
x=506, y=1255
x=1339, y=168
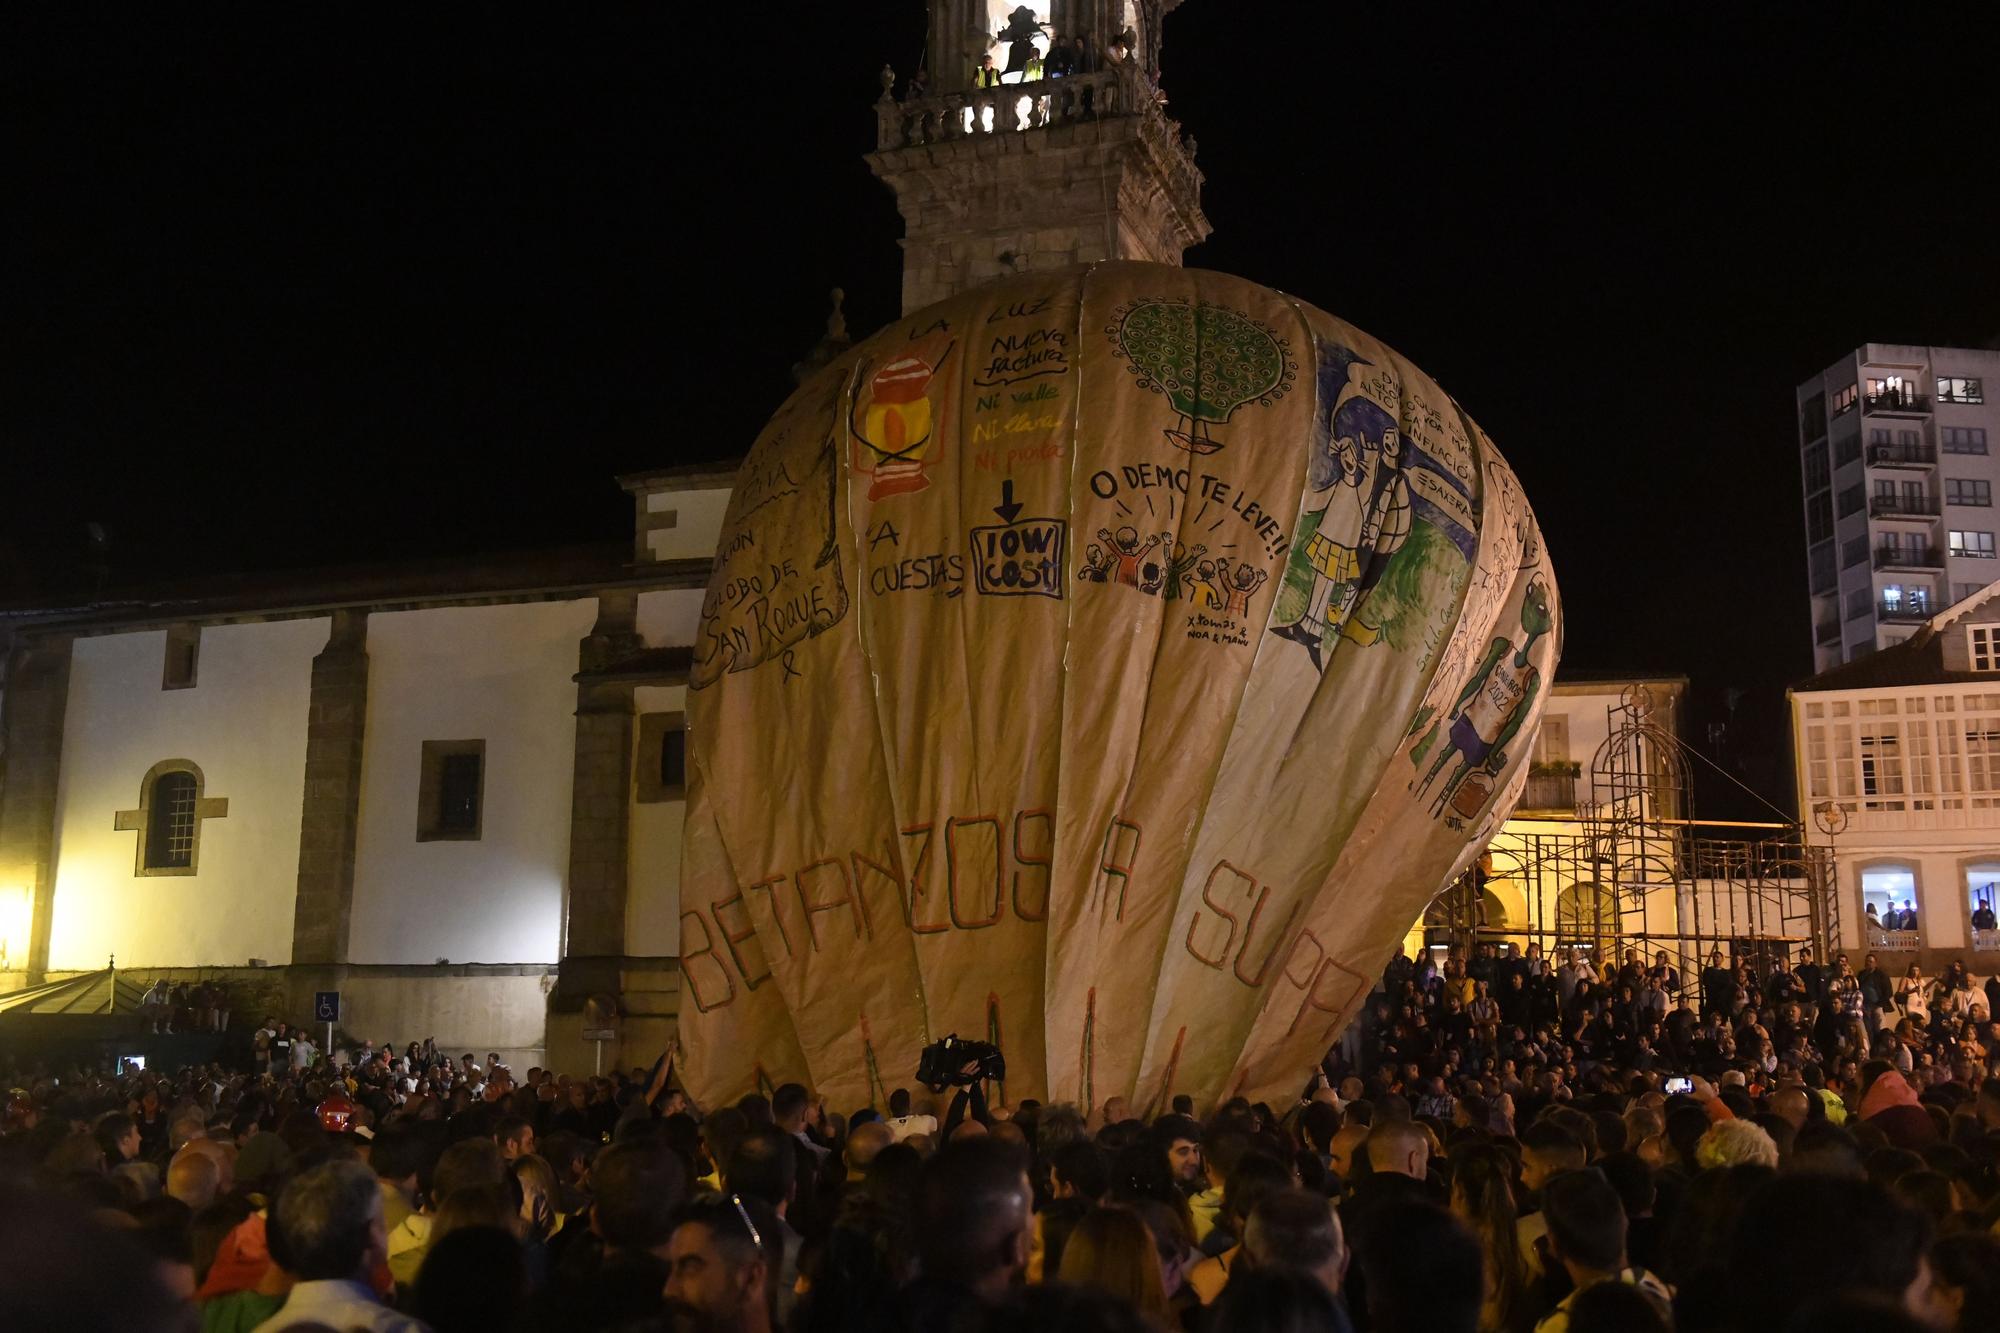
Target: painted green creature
x=1496, y=700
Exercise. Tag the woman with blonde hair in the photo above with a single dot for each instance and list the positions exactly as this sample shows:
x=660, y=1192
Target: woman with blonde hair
x=1112, y=1250
x=540, y=1195
x=1482, y=1196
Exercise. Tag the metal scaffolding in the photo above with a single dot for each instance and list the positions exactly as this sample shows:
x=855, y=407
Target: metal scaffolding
x=1637, y=869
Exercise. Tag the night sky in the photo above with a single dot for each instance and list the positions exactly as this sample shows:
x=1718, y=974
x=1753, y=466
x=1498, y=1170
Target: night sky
x=344, y=289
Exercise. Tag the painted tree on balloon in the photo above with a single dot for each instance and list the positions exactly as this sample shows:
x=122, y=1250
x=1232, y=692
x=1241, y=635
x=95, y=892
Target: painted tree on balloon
x=1207, y=360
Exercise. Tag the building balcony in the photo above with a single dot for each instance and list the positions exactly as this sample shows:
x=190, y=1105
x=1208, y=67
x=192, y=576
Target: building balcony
x=1907, y=611
x=1012, y=108
x=1902, y=455
x=1907, y=557
x=1548, y=793
x=1902, y=506
x=1896, y=403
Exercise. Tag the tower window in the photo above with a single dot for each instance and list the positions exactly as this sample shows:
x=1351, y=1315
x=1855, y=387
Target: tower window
x=451, y=791
x=662, y=765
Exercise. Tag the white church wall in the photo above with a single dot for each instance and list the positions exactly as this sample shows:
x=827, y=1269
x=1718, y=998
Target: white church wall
x=667, y=619
x=503, y=675
x=697, y=523
x=653, y=870
x=244, y=724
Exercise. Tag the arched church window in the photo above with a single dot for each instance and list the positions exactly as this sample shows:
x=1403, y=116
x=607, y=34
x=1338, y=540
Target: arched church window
x=170, y=830
x=172, y=807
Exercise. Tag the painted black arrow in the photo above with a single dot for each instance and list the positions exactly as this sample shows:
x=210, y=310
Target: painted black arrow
x=1008, y=508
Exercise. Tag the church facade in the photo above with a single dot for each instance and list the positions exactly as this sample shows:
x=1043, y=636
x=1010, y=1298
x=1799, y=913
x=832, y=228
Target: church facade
x=452, y=794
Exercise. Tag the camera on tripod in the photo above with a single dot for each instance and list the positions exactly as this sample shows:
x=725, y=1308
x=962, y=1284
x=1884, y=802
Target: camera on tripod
x=942, y=1063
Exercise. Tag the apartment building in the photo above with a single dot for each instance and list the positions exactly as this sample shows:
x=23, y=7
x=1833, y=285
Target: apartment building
x=1898, y=472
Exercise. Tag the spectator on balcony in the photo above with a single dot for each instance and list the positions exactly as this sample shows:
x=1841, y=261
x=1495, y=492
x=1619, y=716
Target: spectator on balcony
x=1061, y=61
x=1908, y=919
x=986, y=76
x=1982, y=916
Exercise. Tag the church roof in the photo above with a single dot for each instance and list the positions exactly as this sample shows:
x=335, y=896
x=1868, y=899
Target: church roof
x=497, y=576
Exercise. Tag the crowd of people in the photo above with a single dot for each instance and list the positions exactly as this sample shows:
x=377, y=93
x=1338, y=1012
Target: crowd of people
x=1501, y=1143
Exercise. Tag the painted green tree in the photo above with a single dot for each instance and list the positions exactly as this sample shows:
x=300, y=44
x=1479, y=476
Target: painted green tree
x=1206, y=360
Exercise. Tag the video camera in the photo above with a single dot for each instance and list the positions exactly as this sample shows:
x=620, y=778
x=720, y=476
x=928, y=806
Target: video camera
x=942, y=1063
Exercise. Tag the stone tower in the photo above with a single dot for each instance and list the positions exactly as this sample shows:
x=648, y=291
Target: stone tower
x=1046, y=168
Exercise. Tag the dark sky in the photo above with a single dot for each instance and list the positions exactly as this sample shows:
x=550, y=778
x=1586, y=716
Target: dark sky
x=340, y=288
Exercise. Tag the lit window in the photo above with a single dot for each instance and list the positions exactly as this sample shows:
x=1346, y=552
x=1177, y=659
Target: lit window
x=1960, y=389
x=1975, y=545
x=1844, y=400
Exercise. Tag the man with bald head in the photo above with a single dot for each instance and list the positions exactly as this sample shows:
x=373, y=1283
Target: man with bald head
x=193, y=1179
x=1343, y=1149
x=863, y=1142
x=1790, y=1104
x=1398, y=1156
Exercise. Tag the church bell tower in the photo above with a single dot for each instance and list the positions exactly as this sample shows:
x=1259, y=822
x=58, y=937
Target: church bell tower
x=1035, y=136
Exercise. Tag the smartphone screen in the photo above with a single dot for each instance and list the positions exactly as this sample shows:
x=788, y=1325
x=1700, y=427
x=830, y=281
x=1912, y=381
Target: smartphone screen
x=1677, y=1083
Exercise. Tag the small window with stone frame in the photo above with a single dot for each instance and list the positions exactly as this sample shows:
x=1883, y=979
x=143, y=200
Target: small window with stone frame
x=183, y=657
x=451, y=791
x=662, y=764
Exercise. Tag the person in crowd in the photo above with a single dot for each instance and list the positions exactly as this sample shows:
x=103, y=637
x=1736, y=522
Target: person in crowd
x=1421, y=1269
x=1298, y=1231
x=334, y=1241
x=1112, y=1250
x=1482, y=1197
x=720, y=1264
x=1586, y=1238
x=973, y=1214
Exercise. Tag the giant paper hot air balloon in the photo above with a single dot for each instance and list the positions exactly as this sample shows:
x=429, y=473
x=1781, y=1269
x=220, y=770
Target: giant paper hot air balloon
x=1109, y=663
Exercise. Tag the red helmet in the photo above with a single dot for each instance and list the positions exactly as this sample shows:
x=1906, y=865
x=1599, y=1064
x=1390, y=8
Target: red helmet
x=335, y=1112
